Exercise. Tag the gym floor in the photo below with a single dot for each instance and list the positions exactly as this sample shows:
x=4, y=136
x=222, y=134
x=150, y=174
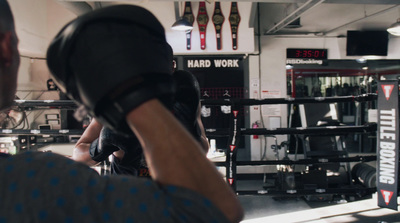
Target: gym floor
x=264, y=209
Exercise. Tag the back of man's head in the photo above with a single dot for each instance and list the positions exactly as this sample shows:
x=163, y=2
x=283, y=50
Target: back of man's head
x=9, y=56
x=6, y=17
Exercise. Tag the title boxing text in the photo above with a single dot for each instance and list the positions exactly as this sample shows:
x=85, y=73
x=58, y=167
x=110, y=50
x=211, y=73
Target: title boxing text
x=387, y=146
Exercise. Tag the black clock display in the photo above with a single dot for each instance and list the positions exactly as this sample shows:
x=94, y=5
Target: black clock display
x=321, y=54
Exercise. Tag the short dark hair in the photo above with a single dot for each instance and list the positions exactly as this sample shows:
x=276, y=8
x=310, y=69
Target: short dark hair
x=6, y=17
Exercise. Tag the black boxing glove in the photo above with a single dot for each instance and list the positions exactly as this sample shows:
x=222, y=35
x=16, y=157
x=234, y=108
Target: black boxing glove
x=112, y=60
x=110, y=141
x=187, y=101
x=97, y=153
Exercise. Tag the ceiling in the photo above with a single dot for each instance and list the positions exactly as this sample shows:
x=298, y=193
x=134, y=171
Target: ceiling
x=329, y=18
x=316, y=18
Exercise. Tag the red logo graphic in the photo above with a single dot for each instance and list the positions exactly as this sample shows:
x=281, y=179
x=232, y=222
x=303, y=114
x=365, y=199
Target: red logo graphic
x=232, y=147
x=387, y=195
x=230, y=181
x=387, y=90
x=235, y=113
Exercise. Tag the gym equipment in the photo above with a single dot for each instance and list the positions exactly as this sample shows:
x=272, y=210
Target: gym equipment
x=29, y=105
x=12, y=118
x=288, y=182
x=327, y=172
x=365, y=174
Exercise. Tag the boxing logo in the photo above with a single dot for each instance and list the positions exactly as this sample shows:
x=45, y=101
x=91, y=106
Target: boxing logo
x=235, y=113
x=387, y=195
x=387, y=90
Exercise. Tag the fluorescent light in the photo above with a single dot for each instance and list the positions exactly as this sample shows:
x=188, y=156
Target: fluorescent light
x=394, y=29
x=289, y=66
x=361, y=60
x=371, y=57
x=182, y=25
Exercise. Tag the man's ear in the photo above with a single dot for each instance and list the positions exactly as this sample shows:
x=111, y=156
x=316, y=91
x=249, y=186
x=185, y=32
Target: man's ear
x=6, y=48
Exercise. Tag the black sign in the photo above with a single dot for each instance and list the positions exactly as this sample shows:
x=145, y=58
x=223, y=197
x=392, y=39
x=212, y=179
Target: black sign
x=219, y=77
x=388, y=146
x=217, y=62
x=321, y=54
x=217, y=71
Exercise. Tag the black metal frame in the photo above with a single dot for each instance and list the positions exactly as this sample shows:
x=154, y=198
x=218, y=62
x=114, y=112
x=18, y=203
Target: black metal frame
x=234, y=133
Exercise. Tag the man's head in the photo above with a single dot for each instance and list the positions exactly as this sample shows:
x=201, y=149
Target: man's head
x=9, y=56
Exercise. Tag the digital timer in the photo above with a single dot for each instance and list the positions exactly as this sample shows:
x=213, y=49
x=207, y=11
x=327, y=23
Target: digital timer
x=321, y=54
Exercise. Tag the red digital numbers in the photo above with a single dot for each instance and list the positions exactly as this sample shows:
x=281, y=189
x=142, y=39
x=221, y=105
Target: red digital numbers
x=307, y=53
x=298, y=53
x=310, y=53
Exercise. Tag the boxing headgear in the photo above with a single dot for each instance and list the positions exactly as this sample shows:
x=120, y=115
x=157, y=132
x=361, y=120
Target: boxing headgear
x=187, y=88
x=187, y=101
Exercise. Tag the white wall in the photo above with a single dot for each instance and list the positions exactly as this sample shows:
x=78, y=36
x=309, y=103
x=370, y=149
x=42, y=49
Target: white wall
x=57, y=17
x=245, y=34
x=36, y=22
x=30, y=19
